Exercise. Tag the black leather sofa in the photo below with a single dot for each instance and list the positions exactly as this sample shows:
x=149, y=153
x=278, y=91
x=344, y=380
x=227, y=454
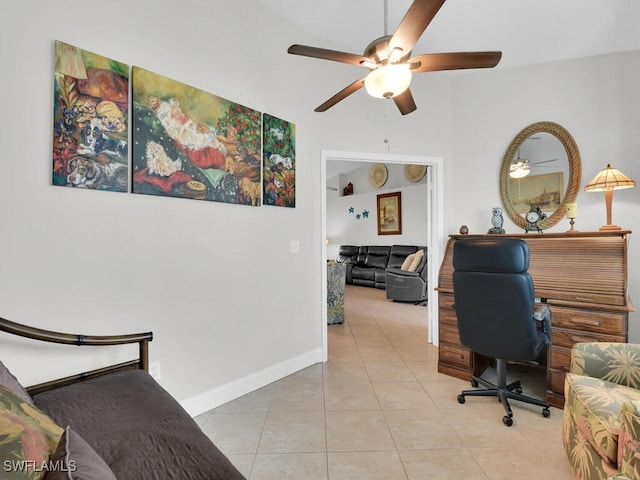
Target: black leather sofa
x=375, y=265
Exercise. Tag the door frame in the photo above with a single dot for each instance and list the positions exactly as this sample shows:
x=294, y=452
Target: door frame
x=435, y=227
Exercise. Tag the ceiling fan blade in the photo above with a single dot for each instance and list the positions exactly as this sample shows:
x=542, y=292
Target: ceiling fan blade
x=405, y=102
x=544, y=161
x=433, y=62
x=341, y=95
x=413, y=25
x=325, y=54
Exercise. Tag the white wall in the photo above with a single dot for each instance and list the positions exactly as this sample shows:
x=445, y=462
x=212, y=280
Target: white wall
x=230, y=307
x=596, y=99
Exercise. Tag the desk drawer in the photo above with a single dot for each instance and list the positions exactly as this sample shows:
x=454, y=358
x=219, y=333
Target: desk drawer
x=555, y=381
x=610, y=323
x=453, y=355
x=566, y=338
x=559, y=358
x=449, y=334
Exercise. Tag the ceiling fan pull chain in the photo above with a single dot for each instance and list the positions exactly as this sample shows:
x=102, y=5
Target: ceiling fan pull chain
x=386, y=124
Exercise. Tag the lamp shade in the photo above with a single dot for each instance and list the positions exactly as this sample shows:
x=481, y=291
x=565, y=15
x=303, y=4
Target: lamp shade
x=609, y=179
x=388, y=81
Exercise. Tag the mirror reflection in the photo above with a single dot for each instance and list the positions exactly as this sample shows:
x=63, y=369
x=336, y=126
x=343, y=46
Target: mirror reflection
x=541, y=168
x=539, y=173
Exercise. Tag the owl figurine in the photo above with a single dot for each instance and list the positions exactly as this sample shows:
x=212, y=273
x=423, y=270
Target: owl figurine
x=496, y=220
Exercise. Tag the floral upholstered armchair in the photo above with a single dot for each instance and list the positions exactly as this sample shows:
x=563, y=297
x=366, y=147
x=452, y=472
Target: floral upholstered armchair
x=601, y=425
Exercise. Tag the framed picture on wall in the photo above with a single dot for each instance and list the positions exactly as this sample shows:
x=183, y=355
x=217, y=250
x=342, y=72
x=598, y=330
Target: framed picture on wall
x=390, y=213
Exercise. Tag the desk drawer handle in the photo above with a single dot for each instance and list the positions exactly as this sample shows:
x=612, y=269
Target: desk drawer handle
x=576, y=339
x=594, y=323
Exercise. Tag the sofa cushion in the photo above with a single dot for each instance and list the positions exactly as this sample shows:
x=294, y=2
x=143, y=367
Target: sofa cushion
x=347, y=254
x=75, y=459
x=29, y=438
x=399, y=253
x=377, y=256
x=11, y=383
x=363, y=273
x=596, y=405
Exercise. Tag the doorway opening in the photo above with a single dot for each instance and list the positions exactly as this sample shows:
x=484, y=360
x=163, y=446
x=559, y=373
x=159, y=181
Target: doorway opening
x=434, y=227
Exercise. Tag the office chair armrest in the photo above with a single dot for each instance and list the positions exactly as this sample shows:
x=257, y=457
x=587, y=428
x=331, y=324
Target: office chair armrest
x=542, y=316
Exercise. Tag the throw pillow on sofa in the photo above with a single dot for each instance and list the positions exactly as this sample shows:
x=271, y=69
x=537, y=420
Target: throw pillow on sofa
x=74, y=459
x=29, y=438
x=416, y=261
x=408, y=262
x=8, y=380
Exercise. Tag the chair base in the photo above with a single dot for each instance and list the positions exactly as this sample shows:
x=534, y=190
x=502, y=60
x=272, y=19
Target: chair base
x=503, y=392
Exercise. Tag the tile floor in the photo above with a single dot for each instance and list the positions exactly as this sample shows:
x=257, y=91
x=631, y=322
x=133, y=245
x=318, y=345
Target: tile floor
x=379, y=409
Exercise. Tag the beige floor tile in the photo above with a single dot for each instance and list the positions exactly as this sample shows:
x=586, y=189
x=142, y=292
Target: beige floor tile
x=419, y=353
x=243, y=462
x=379, y=409
x=350, y=396
x=372, y=341
x=297, y=397
x=402, y=395
x=290, y=466
x=257, y=401
x=421, y=429
x=343, y=354
x=452, y=463
x=379, y=354
x=501, y=463
x=235, y=433
x=365, y=466
x=290, y=432
x=426, y=371
x=345, y=372
x=389, y=372
x=357, y=431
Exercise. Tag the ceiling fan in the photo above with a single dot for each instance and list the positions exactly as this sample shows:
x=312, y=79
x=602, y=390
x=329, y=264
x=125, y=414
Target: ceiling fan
x=389, y=62
x=521, y=167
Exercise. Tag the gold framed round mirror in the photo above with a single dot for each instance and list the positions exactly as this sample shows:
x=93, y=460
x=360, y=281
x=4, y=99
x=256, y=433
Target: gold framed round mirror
x=541, y=168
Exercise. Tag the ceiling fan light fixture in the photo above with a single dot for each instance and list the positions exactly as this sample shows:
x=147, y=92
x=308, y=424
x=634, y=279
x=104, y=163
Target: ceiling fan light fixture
x=519, y=169
x=389, y=80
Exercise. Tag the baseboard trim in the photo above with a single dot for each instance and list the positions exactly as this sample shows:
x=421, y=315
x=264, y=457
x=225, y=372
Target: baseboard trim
x=205, y=401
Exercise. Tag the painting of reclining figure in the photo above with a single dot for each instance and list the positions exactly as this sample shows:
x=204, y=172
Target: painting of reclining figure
x=90, y=126
x=188, y=143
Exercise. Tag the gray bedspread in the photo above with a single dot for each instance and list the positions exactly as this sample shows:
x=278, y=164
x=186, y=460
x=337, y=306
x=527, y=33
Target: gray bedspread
x=140, y=430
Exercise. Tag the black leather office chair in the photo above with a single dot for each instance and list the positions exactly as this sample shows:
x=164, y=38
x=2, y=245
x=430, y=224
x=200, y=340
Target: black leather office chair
x=496, y=312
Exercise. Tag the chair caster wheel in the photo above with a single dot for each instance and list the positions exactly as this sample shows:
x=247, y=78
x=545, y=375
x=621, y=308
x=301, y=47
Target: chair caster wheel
x=546, y=413
x=507, y=420
x=518, y=390
x=474, y=384
x=461, y=399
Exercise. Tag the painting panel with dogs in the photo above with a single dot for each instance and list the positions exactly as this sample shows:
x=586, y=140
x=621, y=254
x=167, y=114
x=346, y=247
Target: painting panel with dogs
x=189, y=143
x=90, y=130
x=279, y=160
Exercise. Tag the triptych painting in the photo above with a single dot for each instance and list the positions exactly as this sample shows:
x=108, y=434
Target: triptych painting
x=90, y=127
x=185, y=142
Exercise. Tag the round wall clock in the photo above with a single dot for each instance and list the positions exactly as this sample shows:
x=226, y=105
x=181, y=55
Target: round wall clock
x=378, y=175
x=415, y=173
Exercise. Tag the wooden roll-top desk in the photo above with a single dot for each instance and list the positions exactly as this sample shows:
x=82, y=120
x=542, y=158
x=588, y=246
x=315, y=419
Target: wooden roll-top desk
x=581, y=276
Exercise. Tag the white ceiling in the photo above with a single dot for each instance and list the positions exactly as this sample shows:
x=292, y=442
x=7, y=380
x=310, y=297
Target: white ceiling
x=527, y=32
